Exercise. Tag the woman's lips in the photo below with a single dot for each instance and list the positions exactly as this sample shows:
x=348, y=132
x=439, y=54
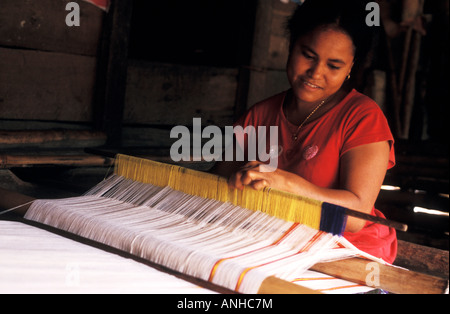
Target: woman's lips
x=310, y=85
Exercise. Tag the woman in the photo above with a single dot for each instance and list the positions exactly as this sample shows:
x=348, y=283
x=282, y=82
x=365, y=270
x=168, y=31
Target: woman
x=334, y=145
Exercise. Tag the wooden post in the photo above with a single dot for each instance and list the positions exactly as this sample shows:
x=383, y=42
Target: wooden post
x=260, y=52
x=112, y=72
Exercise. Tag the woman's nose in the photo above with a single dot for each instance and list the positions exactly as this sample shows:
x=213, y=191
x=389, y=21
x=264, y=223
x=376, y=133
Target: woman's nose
x=315, y=70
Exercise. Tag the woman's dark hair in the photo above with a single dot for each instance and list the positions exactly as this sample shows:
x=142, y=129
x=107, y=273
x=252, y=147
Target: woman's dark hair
x=348, y=16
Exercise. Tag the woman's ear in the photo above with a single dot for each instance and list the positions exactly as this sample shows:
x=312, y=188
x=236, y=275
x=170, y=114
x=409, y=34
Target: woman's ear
x=350, y=72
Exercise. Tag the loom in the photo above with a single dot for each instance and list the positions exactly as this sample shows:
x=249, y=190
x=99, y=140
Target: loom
x=192, y=223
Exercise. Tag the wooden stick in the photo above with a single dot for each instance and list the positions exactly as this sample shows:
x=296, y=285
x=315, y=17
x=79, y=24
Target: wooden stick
x=382, y=221
x=385, y=277
x=8, y=161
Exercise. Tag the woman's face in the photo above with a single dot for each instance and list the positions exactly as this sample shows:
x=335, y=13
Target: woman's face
x=319, y=63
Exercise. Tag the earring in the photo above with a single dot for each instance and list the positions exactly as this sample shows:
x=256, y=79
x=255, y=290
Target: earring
x=348, y=77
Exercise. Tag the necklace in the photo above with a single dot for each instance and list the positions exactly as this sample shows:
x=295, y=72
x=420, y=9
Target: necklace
x=295, y=135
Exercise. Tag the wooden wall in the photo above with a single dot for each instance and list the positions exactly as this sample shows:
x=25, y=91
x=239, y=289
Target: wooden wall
x=49, y=73
x=47, y=68
x=161, y=95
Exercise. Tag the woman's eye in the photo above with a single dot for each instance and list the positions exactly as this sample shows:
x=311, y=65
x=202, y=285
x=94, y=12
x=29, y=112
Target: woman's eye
x=307, y=55
x=333, y=67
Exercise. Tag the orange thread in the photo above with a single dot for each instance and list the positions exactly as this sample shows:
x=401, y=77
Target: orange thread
x=342, y=287
x=308, y=245
x=216, y=265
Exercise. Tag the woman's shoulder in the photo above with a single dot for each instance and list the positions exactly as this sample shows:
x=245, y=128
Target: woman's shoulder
x=356, y=101
x=266, y=109
x=357, y=110
x=271, y=103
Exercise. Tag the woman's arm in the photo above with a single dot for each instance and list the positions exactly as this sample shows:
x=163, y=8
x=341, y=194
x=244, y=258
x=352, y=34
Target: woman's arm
x=362, y=172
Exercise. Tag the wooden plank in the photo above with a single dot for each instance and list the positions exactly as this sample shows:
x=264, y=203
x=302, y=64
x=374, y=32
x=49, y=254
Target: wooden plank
x=41, y=25
x=37, y=85
x=432, y=185
x=163, y=94
x=389, y=278
x=51, y=138
x=274, y=285
x=419, y=170
x=423, y=259
x=411, y=199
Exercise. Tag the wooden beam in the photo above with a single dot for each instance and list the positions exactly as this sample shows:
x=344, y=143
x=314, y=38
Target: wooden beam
x=79, y=160
x=67, y=137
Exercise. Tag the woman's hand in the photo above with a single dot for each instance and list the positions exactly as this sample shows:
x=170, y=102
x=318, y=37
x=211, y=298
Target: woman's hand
x=259, y=176
x=362, y=172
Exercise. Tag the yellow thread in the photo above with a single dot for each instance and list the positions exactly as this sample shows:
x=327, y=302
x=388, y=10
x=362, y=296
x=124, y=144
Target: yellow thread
x=276, y=203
